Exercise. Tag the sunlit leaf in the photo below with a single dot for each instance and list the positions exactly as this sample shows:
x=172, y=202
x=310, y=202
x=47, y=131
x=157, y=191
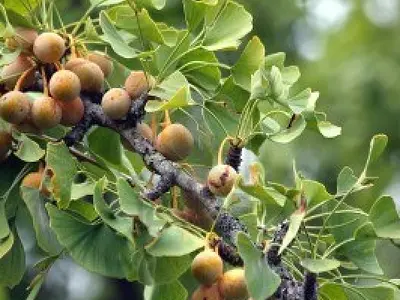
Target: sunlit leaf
x=231, y=25
x=249, y=62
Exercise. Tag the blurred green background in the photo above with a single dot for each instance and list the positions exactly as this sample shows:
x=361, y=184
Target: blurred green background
x=349, y=50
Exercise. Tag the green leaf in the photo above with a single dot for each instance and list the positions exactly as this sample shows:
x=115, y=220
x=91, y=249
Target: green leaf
x=114, y=38
x=80, y=190
x=163, y=270
x=157, y=4
x=315, y=192
x=249, y=62
x=174, y=241
x=111, y=151
x=4, y=228
x=262, y=281
x=377, y=146
x=6, y=244
x=28, y=150
x=123, y=225
x=231, y=25
x=90, y=30
x=35, y=289
x=320, y=265
x=385, y=219
x=7, y=57
x=302, y=101
x=132, y=204
x=126, y=19
x=200, y=67
x=173, y=92
x=84, y=209
x=290, y=75
x=360, y=251
x=287, y=135
x=267, y=195
x=294, y=226
x=63, y=165
x=102, y=3
x=233, y=94
x=346, y=180
x=195, y=11
x=45, y=237
x=328, y=129
x=172, y=291
x=336, y=291
x=96, y=247
x=275, y=59
x=12, y=265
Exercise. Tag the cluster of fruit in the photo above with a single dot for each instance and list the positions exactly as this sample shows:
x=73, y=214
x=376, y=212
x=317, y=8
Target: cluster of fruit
x=207, y=268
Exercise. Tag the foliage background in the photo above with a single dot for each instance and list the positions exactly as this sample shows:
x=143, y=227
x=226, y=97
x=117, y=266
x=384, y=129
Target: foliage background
x=349, y=50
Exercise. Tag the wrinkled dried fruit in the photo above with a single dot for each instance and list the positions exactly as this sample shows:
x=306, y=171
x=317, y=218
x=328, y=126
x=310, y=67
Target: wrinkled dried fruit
x=207, y=267
x=49, y=47
x=46, y=113
x=175, y=142
x=14, y=107
x=221, y=180
x=64, y=85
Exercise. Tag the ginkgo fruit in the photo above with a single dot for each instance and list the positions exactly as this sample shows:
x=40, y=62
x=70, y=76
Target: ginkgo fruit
x=90, y=74
x=103, y=61
x=232, y=285
x=175, y=142
x=207, y=293
x=46, y=113
x=72, y=111
x=207, y=267
x=14, y=107
x=64, y=85
x=221, y=179
x=49, y=47
x=116, y=103
x=137, y=83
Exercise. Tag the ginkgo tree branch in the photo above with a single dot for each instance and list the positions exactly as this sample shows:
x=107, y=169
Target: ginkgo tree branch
x=226, y=225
